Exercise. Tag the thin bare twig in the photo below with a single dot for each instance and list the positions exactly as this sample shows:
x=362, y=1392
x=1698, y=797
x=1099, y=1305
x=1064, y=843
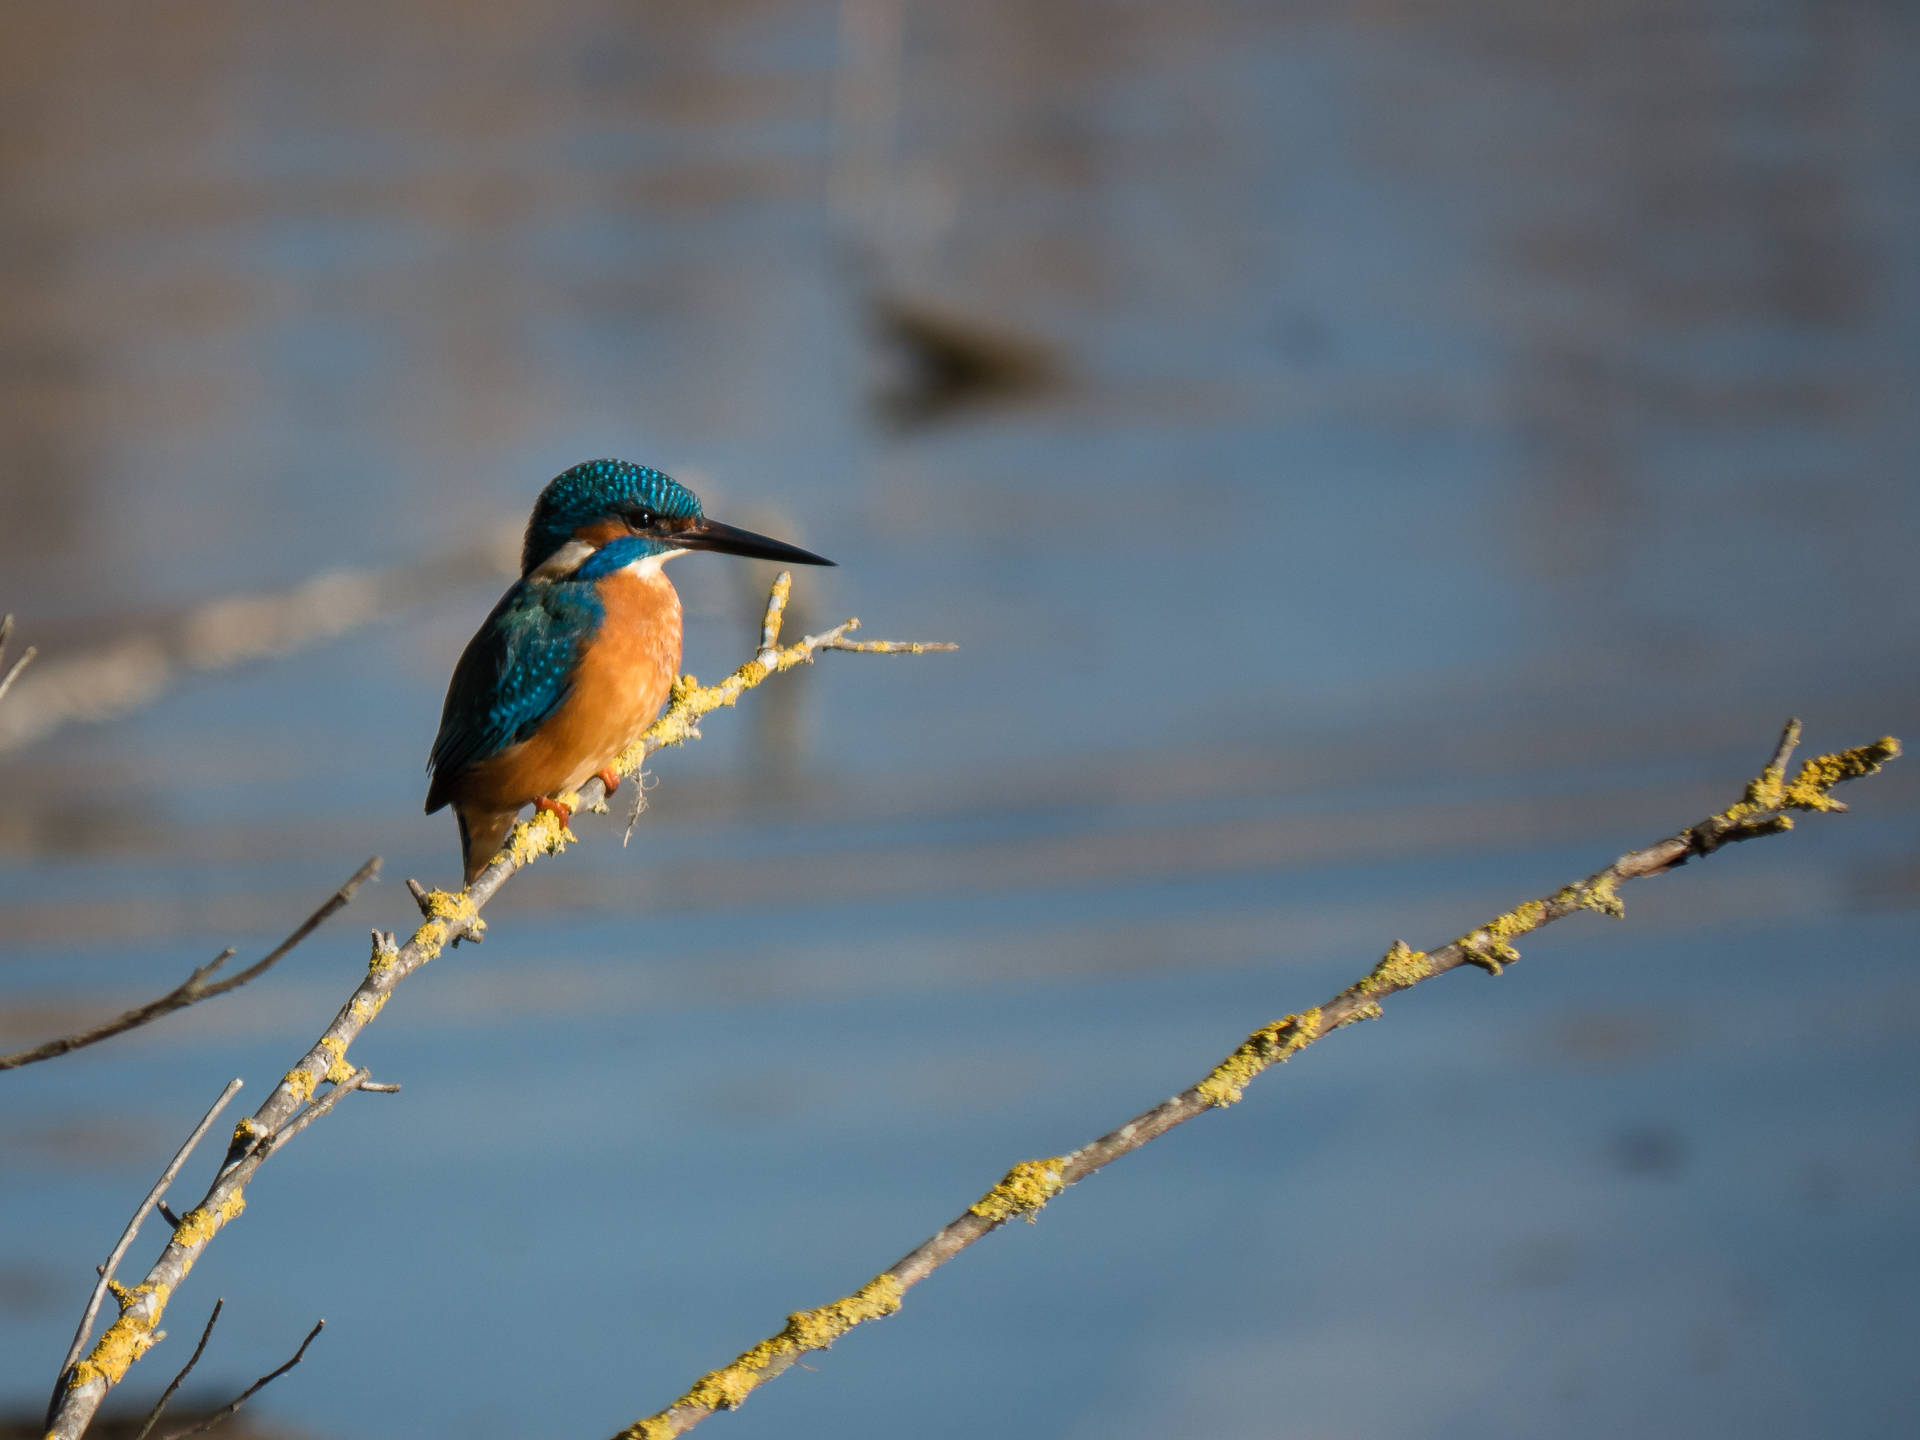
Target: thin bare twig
x=153, y=1415
x=195, y=988
x=1765, y=809
x=26, y=656
x=207, y=1422
x=449, y=916
x=133, y=1229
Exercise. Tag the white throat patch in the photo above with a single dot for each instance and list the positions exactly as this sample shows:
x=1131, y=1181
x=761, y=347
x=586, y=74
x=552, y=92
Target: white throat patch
x=650, y=564
x=563, y=562
x=575, y=553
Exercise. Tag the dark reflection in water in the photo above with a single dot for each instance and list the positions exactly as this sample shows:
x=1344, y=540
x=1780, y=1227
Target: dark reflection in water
x=1423, y=449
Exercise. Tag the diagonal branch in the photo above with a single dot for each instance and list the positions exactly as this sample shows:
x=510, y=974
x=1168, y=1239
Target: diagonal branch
x=26, y=656
x=195, y=988
x=144, y=662
x=449, y=917
x=1765, y=809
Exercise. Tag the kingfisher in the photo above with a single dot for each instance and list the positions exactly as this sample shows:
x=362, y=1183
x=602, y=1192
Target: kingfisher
x=580, y=653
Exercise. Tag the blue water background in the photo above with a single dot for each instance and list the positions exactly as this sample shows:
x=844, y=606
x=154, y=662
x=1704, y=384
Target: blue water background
x=1479, y=427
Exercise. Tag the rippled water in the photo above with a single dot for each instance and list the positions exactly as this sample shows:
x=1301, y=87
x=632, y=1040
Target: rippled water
x=1471, y=430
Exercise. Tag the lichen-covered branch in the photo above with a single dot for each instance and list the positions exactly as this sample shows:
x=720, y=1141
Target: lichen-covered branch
x=154, y=1200
x=199, y=985
x=1766, y=808
x=449, y=918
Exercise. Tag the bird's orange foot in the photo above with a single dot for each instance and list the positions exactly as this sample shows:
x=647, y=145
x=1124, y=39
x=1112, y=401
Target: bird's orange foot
x=564, y=813
x=608, y=778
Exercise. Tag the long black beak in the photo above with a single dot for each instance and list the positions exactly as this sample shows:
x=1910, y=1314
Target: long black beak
x=706, y=534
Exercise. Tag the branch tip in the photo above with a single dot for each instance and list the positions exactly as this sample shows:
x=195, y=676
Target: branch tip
x=776, y=610
x=194, y=988
x=26, y=659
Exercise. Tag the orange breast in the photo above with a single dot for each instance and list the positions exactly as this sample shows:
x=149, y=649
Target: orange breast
x=622, y=680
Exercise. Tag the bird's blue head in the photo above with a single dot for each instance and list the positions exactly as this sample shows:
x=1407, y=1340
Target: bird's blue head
x=604, y=515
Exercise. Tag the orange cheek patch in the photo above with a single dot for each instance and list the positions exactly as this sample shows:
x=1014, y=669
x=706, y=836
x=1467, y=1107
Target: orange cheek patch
x=600, y=532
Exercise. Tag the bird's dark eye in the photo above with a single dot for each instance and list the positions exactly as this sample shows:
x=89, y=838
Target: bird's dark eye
x=639, y=517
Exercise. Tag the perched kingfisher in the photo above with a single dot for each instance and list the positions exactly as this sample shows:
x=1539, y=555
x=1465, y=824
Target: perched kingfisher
x=578, y=656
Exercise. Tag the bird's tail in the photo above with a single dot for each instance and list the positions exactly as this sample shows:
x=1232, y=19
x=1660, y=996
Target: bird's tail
x=481, y=835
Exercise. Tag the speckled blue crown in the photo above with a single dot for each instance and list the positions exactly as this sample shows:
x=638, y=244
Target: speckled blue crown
x=593, y=491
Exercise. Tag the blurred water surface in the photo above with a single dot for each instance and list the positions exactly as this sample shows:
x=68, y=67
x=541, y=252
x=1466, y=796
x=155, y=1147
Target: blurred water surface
x=1474, y=429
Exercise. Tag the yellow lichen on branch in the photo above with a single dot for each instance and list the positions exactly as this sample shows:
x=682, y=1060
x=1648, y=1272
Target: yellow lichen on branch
x=776, y=609
x=1400, y=967
x=302, y=1082
x=1490, y=947
x=127, y=1339
x=1761, y=810
x=365, y=1007
x=689, y=700
x=384, y=957
x=727, y=1387
x=540, y=834
x=456, y=908
x=1025, y=1190
x=1809, y=790
x=1765, y=790
x=141, y=1307
x=338, y=1070
x=1032, y=1183
x=1599, y=893
x=199, y=1225
x=1269, y=1045
x=451, y=914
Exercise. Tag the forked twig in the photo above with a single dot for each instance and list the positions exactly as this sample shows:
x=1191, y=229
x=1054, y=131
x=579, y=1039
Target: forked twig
x=153, y=1415
x=207, y=1422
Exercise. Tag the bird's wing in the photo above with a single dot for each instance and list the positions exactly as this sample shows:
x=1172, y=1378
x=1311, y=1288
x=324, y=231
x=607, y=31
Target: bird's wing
x=513, y=674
